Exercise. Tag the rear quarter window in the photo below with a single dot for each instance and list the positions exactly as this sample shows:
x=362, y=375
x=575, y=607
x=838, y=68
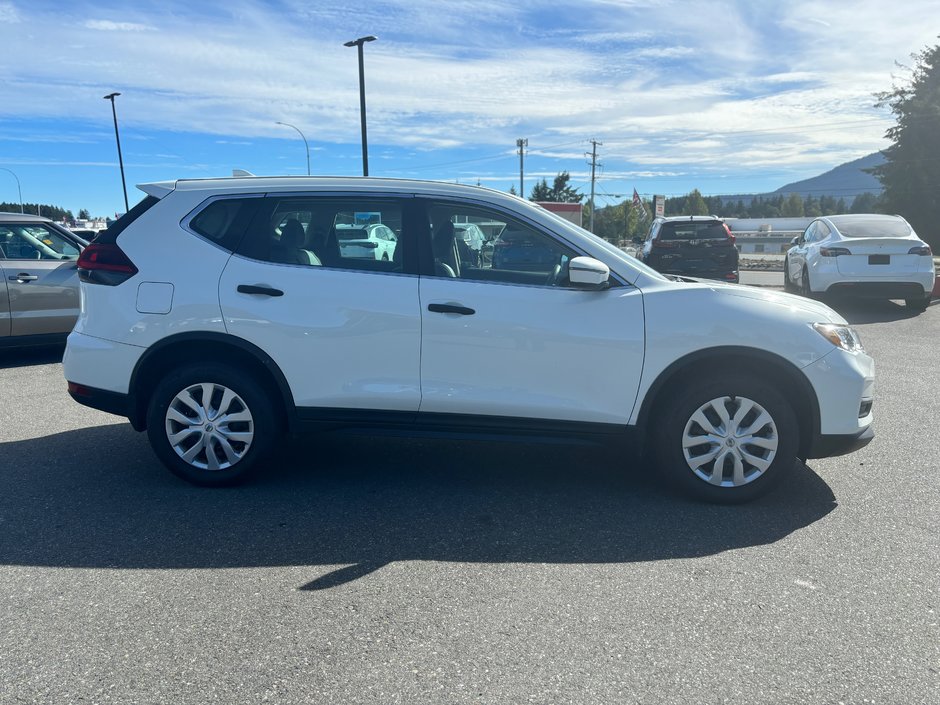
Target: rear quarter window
x=224, y=220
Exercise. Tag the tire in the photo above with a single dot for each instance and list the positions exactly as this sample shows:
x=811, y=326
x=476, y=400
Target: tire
x=721, y=468
x=787, y=284
x=210, y=455
x=918, y=304
x=806, y=288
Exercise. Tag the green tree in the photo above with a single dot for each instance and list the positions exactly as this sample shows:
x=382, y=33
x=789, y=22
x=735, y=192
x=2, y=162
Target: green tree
x=865, y=203
x=540, y=192
x=559, y=192
x=792, y=207
x=512, y=190
x=911, y=172
x=83, y=214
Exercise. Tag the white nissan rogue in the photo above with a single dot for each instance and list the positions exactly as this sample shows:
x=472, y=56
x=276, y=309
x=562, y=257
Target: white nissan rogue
x=219, y=314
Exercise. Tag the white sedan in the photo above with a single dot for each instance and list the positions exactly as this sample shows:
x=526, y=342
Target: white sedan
x=864, y=255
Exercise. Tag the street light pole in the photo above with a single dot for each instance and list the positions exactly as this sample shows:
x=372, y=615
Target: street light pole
x=19, y=191
x=306, y=146
x=117, y=137
x=362, y=99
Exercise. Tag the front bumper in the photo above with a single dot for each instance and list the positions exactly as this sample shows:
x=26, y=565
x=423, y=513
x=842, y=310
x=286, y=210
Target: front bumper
x=825, y=446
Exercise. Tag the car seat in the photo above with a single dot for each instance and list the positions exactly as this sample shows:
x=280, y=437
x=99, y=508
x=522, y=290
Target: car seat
x=444, y=246
x=290, y=248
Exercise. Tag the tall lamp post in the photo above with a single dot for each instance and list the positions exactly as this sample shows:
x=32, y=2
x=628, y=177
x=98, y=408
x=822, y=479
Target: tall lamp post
x=307, y=146
x=362, y=99
x=117, y=137
x=19, y=191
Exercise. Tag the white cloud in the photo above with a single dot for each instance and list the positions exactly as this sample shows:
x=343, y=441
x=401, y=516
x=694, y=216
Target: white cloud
x=9, y=13
x=643, y=78
x=110, y=26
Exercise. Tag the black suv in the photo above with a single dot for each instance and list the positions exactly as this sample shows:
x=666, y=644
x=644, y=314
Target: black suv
x=691, y=245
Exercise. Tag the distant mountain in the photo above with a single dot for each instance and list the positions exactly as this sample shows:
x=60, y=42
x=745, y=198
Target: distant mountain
x=845, y=181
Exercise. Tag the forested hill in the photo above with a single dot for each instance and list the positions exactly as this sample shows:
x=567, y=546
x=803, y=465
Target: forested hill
x=845, y=181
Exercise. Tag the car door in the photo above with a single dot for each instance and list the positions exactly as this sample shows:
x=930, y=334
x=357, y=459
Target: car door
x=796, y=255
x=41, y=278
x=523, y=343
x=345, y=330
x=4, y=307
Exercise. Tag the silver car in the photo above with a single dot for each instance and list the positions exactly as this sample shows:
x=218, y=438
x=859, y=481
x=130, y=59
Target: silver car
x=39, y=297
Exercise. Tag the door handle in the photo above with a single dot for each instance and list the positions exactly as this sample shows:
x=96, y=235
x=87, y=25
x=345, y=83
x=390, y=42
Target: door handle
x=256, y=289
x=23, y=277
x=451, y=308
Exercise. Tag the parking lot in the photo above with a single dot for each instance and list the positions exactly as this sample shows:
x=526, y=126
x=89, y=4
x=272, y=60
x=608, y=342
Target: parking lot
x=382, y=570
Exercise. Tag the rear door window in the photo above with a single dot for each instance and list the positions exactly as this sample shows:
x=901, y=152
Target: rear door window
x=359, y=233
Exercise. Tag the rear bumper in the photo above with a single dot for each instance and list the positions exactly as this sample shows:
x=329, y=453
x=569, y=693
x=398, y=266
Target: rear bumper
x=101, y=399
x=828, y=445
x=880, y=290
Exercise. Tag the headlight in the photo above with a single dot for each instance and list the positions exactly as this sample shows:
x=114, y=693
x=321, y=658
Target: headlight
x=843, y=337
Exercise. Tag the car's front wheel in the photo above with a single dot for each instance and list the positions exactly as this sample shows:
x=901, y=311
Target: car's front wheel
x=806, y=288
x=728, y=439
x=210, y=424
x=787, y=284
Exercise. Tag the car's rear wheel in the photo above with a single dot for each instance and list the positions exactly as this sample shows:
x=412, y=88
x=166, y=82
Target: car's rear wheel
x=918, y=304
x=728, y=439
x=210, y=424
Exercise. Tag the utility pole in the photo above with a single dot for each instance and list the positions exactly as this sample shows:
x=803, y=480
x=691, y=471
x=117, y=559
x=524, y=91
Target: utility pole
x=521, y=144
x=594, y=166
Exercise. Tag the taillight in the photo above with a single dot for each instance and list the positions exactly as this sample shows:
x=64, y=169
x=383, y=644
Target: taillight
x=833, y=251
x=728, y=230
x=105, y=264
x=923, y=250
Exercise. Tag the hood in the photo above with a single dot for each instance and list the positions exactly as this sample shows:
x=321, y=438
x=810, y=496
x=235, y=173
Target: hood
x=815, y=310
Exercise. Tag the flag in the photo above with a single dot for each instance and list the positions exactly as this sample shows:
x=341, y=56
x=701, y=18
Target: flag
x=638, y=203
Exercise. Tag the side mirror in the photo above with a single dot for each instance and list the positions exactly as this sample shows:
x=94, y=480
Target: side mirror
x=588, y=273
x=795, y=241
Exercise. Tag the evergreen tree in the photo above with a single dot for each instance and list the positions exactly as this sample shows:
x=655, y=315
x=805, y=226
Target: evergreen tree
x=911, y=174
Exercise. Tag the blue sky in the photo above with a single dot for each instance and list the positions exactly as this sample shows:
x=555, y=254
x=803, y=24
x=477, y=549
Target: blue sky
x=725, y=96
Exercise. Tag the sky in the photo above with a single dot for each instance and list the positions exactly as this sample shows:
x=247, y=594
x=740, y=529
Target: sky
x=727, y=96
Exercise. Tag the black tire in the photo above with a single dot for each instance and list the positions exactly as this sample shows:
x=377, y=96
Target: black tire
x=247, y=394
x=675, y=420
x=918, y=304
x=806, y=288
x=787, y=284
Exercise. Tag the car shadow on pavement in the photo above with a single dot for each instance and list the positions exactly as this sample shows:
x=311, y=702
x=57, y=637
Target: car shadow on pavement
x=28, y=357
x=862, y=311
x=346, y=506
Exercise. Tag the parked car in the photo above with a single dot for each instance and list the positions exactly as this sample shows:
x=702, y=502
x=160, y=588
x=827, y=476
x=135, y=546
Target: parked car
x=517, y=250
x=471, y=235
x=374, y=241
x=692, y=246
x=862, y=255
x=193, y=332
x=39, y=296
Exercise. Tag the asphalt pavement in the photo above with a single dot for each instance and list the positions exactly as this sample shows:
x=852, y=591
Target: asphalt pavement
x=381, y=570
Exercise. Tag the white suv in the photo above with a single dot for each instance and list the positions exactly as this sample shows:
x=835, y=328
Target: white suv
x=205, y=329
